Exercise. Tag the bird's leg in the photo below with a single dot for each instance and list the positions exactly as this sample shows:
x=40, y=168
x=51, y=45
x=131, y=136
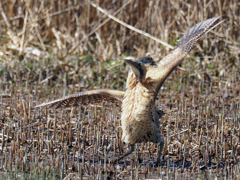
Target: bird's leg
x=126, y=154
x=139, y=159
x=160, y=152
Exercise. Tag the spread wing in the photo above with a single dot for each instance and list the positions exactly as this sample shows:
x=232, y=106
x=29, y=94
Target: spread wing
x=86, y=97
x=186, y=43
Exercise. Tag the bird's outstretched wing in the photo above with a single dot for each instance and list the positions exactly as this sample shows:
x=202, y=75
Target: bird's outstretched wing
x=86, y=97
x=186, y=43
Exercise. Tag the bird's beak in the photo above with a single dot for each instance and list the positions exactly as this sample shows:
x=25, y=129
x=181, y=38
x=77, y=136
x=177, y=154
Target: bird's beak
x=136, y=67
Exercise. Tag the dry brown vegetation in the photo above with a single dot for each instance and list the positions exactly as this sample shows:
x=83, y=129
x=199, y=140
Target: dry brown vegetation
x=49, y=49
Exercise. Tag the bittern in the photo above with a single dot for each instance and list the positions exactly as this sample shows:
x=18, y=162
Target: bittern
x=140, y=117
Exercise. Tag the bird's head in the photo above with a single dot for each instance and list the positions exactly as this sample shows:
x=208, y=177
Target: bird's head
x=141, y=70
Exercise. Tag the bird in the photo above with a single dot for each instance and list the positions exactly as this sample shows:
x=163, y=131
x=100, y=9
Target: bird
x=140, y=117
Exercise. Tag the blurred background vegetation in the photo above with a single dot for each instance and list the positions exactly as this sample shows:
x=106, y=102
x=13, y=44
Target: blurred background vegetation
x=56, y=27
x=51, y=48
x=76, y=34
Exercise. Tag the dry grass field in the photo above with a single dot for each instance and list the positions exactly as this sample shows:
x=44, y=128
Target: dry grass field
x=50, y=49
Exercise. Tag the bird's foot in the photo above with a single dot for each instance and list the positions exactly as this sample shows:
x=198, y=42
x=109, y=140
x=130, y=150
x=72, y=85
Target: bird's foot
x=121, y=162
x=139, y=160
x=158, y=163
x=115, y=161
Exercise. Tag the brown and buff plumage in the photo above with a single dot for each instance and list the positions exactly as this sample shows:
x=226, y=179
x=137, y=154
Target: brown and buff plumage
x=140, y=116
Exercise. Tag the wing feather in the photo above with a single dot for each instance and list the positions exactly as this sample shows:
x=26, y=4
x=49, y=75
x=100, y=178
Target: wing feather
x=86, y=97
x=186, y=43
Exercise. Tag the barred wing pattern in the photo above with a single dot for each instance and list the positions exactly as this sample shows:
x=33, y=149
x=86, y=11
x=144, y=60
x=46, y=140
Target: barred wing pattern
x=190, y=37
x=86, y=97
x=186, y=43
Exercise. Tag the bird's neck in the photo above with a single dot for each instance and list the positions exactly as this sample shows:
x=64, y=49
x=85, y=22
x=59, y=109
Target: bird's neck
x=138, y=99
